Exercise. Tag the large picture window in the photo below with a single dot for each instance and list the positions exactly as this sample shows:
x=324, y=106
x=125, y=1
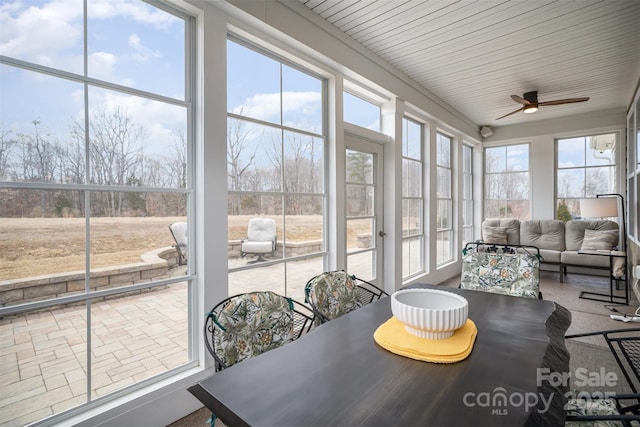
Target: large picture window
x=467, y=194
x=412, y=199
x=275, y=158
x=586, y=166
x=506, y=182
x=444, y=195
x=633, y=171
x=93, y=170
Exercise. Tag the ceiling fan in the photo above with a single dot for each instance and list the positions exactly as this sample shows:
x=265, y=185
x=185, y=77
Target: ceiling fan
x=530, y=102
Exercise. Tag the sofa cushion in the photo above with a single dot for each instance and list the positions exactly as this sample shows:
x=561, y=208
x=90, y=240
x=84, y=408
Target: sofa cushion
x=599, y=240
x=550, y=256
x=512, y=227
x=575, y=258
x=574, y=231
x=497, y=235
x=544, y=234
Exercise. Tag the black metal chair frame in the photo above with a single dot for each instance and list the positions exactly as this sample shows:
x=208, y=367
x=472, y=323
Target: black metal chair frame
x=367, y=293
x=624, y=344
x=502, y=248
x=303, y=322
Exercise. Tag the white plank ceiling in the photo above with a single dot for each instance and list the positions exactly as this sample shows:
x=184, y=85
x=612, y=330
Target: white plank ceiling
x=475, y=54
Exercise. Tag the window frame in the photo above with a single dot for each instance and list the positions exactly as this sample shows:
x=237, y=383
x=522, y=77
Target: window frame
x=467, y=224
x=419, y=234
x=505, y=171
x=323, y=253
x=446, y=231
x=633, y=170
x=89, y=294
x=613, y=166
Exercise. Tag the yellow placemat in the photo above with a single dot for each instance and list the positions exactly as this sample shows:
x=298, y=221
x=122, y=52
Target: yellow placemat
x=392, y=336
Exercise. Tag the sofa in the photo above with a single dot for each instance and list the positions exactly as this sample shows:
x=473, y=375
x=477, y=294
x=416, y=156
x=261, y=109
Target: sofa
x=560, y=244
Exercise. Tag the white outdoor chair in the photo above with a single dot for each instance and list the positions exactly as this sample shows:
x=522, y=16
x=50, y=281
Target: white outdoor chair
x=261, y=239
x=179, y=233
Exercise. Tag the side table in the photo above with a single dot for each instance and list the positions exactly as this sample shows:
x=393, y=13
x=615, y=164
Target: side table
x=611, y=297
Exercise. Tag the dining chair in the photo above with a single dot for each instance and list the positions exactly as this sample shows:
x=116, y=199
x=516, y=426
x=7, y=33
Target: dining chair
x=618, y=409
x=501, y=269
x=249, y=324
x=246, y=325
x=334, y=293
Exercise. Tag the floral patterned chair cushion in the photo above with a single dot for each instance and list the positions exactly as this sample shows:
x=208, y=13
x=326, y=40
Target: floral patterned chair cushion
x=251, y=324
x=516, y=274
x=578, y=407
x=332, y=294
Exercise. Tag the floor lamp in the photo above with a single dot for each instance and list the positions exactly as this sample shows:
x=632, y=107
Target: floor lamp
x=603, y=206
x=606, y=206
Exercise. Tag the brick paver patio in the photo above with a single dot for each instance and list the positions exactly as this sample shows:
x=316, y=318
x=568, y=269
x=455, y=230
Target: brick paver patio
x=43, y=355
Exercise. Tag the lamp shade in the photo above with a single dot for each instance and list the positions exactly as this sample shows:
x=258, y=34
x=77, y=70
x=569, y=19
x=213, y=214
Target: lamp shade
x=602, y=207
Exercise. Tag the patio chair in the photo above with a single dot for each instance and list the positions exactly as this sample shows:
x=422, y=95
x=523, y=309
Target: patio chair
x=501, y=269
x=261, y=239
x=246, y=325
x=334, y=293
x=179, y=233
x=620, y=409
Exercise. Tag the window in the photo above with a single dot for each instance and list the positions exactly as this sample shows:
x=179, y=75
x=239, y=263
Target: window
x=360, y=112
x=633, y=170
x=467, y=194
x=275, y=158
x=506, y=185
x=93, y=169
x=412, y=199
x=585, y=168
x=444, y=219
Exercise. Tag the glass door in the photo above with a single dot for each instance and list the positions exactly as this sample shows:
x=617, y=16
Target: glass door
x=364, y=207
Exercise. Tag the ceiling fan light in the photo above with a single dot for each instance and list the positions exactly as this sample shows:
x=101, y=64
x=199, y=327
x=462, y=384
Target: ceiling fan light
x=530, y=109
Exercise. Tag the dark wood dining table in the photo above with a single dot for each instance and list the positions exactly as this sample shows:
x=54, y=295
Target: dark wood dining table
x=336, y=375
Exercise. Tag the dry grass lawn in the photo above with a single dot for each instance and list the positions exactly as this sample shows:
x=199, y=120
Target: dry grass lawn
x=40, y=246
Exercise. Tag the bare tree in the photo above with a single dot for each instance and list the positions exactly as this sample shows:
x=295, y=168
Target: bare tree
x=116, y=150
x=6, y=147
x=507, y=191
x=238, y=137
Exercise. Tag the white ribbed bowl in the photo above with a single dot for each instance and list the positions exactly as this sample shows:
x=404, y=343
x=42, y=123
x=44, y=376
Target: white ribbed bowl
x=429, y=313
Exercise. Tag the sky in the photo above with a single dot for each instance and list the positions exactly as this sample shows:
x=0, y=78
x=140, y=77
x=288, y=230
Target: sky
x=133, y=44
x=129, y=43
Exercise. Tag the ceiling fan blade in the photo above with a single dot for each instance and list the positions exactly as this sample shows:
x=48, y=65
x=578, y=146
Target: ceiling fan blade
x=563, y=101
x=520, y=100
x=513, y=112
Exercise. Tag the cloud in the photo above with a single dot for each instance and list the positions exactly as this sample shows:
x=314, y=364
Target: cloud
x=266, y=106
x=142, y=53
x=134, y=10
x=52, y=33
x=101, y=65
x=41, y=34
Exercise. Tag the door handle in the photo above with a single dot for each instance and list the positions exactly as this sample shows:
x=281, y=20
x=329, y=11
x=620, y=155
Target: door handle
x=381, y=233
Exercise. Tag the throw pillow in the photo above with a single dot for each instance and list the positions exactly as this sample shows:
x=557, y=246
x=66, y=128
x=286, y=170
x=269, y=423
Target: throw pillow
x=496, y=235
x=599, y=240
